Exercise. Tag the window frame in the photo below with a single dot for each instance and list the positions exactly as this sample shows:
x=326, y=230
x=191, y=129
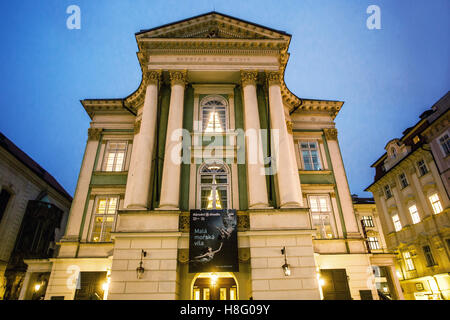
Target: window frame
x=409, y=262
x=317, y=149
x=107, y=152
x=403, y=182
x=415, y=216
x=438, y=202
x=366, y=219
x=104, y=215
x=200, y=185
x=202, y=103
x=422, y=171
x=396, y=222
x=429, y=258
x=387, y=188
x=329, y=213
x=373, y=242
x=445, y=145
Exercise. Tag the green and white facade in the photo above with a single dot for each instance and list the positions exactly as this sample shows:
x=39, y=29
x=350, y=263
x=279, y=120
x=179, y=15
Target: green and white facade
x=214, y=76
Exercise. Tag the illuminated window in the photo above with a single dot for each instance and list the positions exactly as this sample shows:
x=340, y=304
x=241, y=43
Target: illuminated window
x=196, y=294
x=367, y=221
x=444, y=141
x=115, y=156
x=397, y=223
x=416, y=139
x=214, y=184
x=429, y=256
x=214, y=114
x=408, y=261
x=310, y=155
x=104, y=218
x=422, y=167
x=387, y=191
x=403, y=181
x=321, y=216
x=232, y=293
x=373, y=243
x=414, y=214
x=435, y=203
x=206, y=294
x=223, y=293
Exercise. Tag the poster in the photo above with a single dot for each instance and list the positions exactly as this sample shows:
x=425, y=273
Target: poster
x=213, y=241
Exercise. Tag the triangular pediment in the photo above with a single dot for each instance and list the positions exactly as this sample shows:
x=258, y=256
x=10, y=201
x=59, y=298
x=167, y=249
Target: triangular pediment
x=213, y=25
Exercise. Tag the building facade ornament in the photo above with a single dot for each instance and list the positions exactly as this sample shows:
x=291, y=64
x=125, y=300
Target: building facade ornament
x=137, y=126
x=178, y=77
x=289, y=126
x=94, y=134
x=249, y=77
x=152, y=77
x=273, y=78
x=330, y=134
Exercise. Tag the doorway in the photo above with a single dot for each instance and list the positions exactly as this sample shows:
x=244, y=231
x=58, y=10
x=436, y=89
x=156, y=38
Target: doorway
x=215, y=286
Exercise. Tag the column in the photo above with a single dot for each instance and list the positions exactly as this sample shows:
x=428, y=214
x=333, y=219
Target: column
x=256, y=180
x=84, y=179
x=396, y=283
x=170, y=186
x=341, y=182
x=138, y=181
x=287, y=173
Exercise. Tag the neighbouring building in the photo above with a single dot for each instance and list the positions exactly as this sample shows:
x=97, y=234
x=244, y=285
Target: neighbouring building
x=33, y=215
x=383, y=261
x=286, y=223
x=411, y=195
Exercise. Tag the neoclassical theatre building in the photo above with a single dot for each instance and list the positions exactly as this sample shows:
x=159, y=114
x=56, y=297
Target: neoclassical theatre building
x=154, y=218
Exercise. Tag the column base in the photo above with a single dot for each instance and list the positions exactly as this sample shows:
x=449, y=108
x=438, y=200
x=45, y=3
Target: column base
x=135, y=207
x=260, y=207
x=291, y=206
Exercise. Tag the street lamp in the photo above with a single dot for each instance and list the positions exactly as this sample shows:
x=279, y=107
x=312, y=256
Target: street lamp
x=140, y=270
x=286, y=268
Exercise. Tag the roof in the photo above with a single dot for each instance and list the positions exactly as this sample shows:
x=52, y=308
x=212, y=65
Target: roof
x=358, y=200
x=16, y=152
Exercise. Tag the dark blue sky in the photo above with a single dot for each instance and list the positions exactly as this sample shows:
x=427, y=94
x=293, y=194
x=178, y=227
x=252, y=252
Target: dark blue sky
x=386, y=77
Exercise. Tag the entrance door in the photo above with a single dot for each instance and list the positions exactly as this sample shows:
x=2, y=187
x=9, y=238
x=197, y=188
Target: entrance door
x=335, y=285
x=222, y=289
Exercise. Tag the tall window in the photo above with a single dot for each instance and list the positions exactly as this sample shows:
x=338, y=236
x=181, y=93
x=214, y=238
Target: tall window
x=367, y=221
x=321, y=216
x=4, y=199
x=387, y=191
x=373, y=243
x=397, y=223
x=408, y=261
x=104, y=218
x=414, y=214
x=394, y=153
x=115, y=156
x=435, y=203
x=214, y=183
x=214, y=114
x=444, y=141
x=310, y=155
x=422, y=167
x=429, y=256
x=403, y=181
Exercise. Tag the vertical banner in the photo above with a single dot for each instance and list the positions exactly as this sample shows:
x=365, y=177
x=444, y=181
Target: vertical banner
x=213, y=241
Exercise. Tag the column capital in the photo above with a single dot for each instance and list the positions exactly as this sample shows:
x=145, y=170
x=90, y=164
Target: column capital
x=178, y=77
x=331, y=133
x=248, y=77
x=152, y=77
x=273, y=77
x=289, y=126
x=137, y=126
x=94, y=134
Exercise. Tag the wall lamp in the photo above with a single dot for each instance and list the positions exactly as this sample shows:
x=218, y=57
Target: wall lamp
x=285, y=266
x=140, y=270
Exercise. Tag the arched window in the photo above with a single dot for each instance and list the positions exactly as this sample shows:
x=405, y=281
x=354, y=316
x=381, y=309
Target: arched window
x=214, y=186
x=214, y=114
x=394, y=153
